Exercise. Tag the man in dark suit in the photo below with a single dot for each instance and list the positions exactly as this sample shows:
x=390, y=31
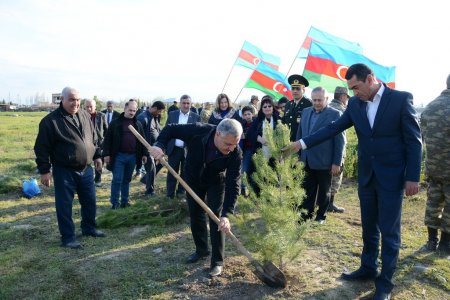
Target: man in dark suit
x=322, y=161
x=100, y=124
x=176, y=148
x=110, y=113
x=389, y=160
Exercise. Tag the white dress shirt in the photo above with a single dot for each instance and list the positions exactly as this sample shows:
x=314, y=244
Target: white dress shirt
x=372, y=106
x=182, y=119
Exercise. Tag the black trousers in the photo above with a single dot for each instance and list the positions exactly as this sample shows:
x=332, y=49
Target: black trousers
x=215, y=196
x=176, y=161
x=316, y=182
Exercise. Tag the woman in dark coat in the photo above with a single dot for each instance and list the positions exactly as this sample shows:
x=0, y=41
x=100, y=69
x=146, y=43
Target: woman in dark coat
x=223, y=110
x=266, y=115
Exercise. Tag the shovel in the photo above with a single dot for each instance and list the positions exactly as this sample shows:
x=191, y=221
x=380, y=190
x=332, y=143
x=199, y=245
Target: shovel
x=267, y=273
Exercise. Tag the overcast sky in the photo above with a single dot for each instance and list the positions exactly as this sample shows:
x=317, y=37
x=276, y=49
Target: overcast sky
x=166, y=48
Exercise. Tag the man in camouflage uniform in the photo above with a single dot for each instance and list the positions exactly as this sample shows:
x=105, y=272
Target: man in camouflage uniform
x=339, y=102
x=293, y=109
x=436, y=131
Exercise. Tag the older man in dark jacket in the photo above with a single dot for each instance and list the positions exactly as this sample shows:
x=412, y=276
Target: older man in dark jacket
x=65, y=147
x=212, y=169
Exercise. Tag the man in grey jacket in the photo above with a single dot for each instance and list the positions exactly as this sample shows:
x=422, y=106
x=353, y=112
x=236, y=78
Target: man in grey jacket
x=322, y=161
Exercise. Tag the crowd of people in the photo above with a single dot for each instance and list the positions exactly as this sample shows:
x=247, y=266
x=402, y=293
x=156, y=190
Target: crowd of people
x=212, y=147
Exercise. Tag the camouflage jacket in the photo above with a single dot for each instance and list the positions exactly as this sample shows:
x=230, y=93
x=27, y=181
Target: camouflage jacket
x=435, y=124
x=337, y=105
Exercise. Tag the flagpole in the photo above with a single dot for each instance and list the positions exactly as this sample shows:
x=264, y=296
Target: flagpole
x=244, y=85
x=293, y=62
x=229, y=74
x=296, y=56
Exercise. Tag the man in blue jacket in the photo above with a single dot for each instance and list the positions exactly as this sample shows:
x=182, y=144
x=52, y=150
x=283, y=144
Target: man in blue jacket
x=389, y=160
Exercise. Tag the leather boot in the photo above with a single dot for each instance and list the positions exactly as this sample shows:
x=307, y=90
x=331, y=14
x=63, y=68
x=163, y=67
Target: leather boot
x=334, y=208
x=433, y=240
x=444, y=245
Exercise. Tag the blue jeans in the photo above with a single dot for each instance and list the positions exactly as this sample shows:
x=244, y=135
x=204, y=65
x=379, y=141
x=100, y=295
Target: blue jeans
x=124, y=164
x=68, y=181
x=246, y=163
x=246, y=160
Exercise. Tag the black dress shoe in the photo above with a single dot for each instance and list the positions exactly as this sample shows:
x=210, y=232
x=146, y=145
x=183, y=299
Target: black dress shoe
x=379, y=295
x=72, y=245
x=95, y=233
x=359, y=274
x=195, y=257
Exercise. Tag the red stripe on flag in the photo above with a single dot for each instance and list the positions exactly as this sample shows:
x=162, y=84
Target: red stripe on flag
x=325, y=67
x=329, y=68
x=254, y=60
x=248, y=57
x=270, y=84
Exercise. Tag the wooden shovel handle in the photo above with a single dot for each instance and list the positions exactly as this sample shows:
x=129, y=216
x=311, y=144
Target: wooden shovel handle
x=197, y=199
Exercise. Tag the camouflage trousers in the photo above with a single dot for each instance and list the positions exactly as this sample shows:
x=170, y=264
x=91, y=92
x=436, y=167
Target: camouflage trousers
x=437, y=212
x=336, y=182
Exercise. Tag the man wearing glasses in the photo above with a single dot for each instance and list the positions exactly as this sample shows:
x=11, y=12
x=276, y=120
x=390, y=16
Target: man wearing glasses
x=293, y=109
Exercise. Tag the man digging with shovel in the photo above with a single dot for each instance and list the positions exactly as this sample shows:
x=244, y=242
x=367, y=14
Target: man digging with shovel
x=212, y=169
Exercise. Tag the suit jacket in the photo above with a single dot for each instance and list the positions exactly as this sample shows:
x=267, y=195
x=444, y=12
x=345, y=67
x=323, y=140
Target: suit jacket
x=391, y=150
x=173, y=119
x=101, y=126
x=329, y=152
x=293, y=113
x=115, y=115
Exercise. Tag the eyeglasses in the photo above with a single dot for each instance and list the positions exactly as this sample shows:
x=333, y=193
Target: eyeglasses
x=296, y=88
x=267, y=106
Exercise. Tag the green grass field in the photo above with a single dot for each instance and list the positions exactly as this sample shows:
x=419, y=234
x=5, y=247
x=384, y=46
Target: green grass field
x=146, y=261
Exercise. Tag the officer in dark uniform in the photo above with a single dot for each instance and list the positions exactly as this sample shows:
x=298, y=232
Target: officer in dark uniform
x=293, y=109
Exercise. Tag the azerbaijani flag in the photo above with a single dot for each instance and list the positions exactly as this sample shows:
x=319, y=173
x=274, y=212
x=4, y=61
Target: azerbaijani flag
x=270, y=81
x=250, y=56
x=323, y=37
x=326, y=66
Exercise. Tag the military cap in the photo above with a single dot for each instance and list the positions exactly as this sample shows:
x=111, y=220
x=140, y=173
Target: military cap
x=298, y=80
x=341, y=90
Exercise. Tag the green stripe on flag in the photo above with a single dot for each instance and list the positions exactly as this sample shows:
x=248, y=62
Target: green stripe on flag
x=327, y=82
x=253, y=85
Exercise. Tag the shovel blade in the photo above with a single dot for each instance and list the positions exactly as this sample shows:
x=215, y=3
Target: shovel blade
x=269, y=274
